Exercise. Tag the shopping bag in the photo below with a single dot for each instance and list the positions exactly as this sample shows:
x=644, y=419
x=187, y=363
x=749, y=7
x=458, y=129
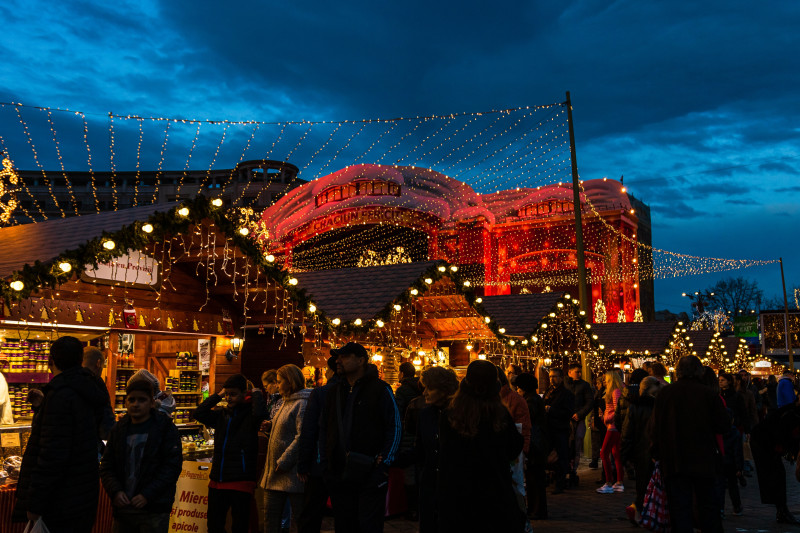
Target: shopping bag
x=36, y=527
x=655, y=514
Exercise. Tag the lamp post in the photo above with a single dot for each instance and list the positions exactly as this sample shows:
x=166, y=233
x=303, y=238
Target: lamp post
x=700, y=300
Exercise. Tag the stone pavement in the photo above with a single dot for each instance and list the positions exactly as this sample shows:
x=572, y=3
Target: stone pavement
x=582, y=509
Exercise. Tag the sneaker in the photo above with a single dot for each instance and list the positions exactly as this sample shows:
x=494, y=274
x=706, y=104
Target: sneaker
x=738, y=512
x=606, y=489
x=618, y=487
x=630, y=512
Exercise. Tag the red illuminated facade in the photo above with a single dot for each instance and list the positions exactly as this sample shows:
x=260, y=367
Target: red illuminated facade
x=507, y=242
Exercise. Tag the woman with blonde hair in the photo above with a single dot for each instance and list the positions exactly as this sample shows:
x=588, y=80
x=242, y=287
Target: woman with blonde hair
x=280, y=479
x=611, y=443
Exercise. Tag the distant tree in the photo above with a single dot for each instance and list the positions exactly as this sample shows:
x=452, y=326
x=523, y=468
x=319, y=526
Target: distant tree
x=736, y=296
x=775, y=302
x=666, y=315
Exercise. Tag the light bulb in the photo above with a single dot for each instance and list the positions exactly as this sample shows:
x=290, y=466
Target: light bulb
x=428, y=281
x=379, y=323
x=336, y=321
x=357, y=322
x=216, y=202
x=17, y=285
x=244, y=231
x=109, y=245
x=183, y=211
x=147, y=228
x=292, y=281
x=397, y=307
x=64, y=266
x=270, y=258
x=312, y=308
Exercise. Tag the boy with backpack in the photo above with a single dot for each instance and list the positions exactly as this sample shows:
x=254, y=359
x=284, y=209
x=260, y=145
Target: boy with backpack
x=142, y=463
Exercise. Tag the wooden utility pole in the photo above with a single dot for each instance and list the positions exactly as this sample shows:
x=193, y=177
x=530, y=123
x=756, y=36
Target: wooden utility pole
x=583, y=295
x=786, y=319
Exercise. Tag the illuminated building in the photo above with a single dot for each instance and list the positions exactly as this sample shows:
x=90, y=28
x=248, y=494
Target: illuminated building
x=506, y=242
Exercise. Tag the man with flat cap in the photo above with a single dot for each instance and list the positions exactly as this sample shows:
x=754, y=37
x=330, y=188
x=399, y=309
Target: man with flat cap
x=361, y=431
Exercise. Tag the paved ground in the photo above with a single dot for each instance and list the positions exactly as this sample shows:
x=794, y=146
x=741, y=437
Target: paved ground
x=582, y=509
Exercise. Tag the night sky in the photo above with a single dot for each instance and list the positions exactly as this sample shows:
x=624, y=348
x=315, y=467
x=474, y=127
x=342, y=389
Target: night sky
x=695, y=103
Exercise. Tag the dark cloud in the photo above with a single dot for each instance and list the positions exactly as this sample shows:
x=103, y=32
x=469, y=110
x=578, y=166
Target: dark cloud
x=796, y=188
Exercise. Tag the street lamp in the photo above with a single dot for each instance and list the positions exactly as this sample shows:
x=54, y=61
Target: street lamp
x=700, y=299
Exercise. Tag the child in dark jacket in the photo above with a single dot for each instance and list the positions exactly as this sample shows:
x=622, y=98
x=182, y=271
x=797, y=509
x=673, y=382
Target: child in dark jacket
x=733, y=465
x=232, y=479
x=141, y=464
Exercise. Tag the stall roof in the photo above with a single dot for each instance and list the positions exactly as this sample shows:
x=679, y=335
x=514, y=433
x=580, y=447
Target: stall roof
x=638, y=337
x=520, y=314
x=701, y=342
x=350, y=293
x=44, y=241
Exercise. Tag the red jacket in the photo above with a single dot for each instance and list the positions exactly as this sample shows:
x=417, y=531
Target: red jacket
x=518, y=408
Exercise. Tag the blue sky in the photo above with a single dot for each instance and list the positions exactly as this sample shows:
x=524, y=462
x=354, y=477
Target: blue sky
x=695, y=103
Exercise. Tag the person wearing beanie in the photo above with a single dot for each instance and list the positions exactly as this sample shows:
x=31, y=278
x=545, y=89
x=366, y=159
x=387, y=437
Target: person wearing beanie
x=165, y=402
x=234, y=469
x=478, y=440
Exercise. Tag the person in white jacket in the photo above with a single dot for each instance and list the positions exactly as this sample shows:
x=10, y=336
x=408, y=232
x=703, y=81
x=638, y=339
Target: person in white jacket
x=280, y=479
x=6, y=414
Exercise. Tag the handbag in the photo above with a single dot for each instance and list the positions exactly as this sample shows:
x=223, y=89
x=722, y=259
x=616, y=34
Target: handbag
x=655, y=514
x=358, y=467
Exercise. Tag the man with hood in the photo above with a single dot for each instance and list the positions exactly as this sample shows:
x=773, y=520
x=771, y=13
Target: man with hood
x=234, y=470
x=361, y=432
x=59, y=475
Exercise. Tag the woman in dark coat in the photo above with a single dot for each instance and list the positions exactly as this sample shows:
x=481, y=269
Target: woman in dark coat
x=535, y=477
x=478, y=441
x=439, y=384
x=636, y=439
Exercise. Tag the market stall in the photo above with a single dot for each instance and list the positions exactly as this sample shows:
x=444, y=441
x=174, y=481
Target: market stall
x=629, y=344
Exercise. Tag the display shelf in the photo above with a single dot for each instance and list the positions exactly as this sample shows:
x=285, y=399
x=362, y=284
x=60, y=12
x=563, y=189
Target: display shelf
x=27, y=377
x=186, y=393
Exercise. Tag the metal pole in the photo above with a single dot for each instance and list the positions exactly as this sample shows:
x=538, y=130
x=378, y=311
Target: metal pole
x=786, y=319
x=583, y=295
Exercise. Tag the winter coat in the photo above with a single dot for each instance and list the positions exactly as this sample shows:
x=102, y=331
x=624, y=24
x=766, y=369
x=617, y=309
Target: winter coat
x=370, y=419
x=426, y=454
x=280, y=472
x=562, y=405
x=235, y=436
x=474, y=482
x=598, y=409
x=635, y=445
x=160, y=467
x=518, y=408
x=687, y=417
x=750, y=418
x=310, y=445
x=734, y=452
x=407, y=391
x=539, y=442
x=59, y=473
x=584, y=398
x=735, y=402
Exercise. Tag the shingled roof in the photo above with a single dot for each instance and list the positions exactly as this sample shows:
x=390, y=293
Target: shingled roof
x=44, y=241
x=350, y=293
x=638, y=337
x=700, y=341
x=520, y=314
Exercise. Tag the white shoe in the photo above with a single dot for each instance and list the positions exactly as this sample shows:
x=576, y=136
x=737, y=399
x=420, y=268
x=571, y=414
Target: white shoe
x=606, y=489
x=618, y=487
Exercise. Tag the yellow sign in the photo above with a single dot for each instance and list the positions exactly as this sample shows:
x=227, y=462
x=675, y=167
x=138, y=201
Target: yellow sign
x=9, y=440
x=190, y=510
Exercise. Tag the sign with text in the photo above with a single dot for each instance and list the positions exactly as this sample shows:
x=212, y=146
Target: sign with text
x=190, y=510
x=745, y=326
x=133, y=268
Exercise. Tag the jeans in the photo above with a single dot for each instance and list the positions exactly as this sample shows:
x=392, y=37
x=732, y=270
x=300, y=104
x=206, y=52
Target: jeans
x=276, y=505
x=358, y=510
x=560, y=438
x=315, y=499
x=681, y=493
x=220, y=501
x=579, y=433
x=141, y=523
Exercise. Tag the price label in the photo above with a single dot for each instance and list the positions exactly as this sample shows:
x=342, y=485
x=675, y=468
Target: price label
x=9, y=440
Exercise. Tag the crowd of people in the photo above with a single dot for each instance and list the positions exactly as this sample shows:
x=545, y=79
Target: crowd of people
x=478, y=454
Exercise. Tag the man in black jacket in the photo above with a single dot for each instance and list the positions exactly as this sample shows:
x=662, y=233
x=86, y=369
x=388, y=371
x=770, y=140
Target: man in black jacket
x=232, y=479
x=142, y=463
x=58, y=478
x=584, y=401
x=361, y=431
x=559, y=403
x=686, y=419
x=408, y=389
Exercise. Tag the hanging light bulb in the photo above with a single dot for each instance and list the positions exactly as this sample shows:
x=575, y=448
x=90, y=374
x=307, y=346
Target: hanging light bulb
x=292, y=281
x=183, y=211
x=357, y=322
x=147, y=228
x=270, y=258
x=312, y=308
x=379, y=323
x=442, y=269
x=428, y=281
x=244, y=231
x=65, y=266
x=336, y=321
x=397, y=307
x=414, y=292
x=216, y=202
x=17, y=285
x=109, y=244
